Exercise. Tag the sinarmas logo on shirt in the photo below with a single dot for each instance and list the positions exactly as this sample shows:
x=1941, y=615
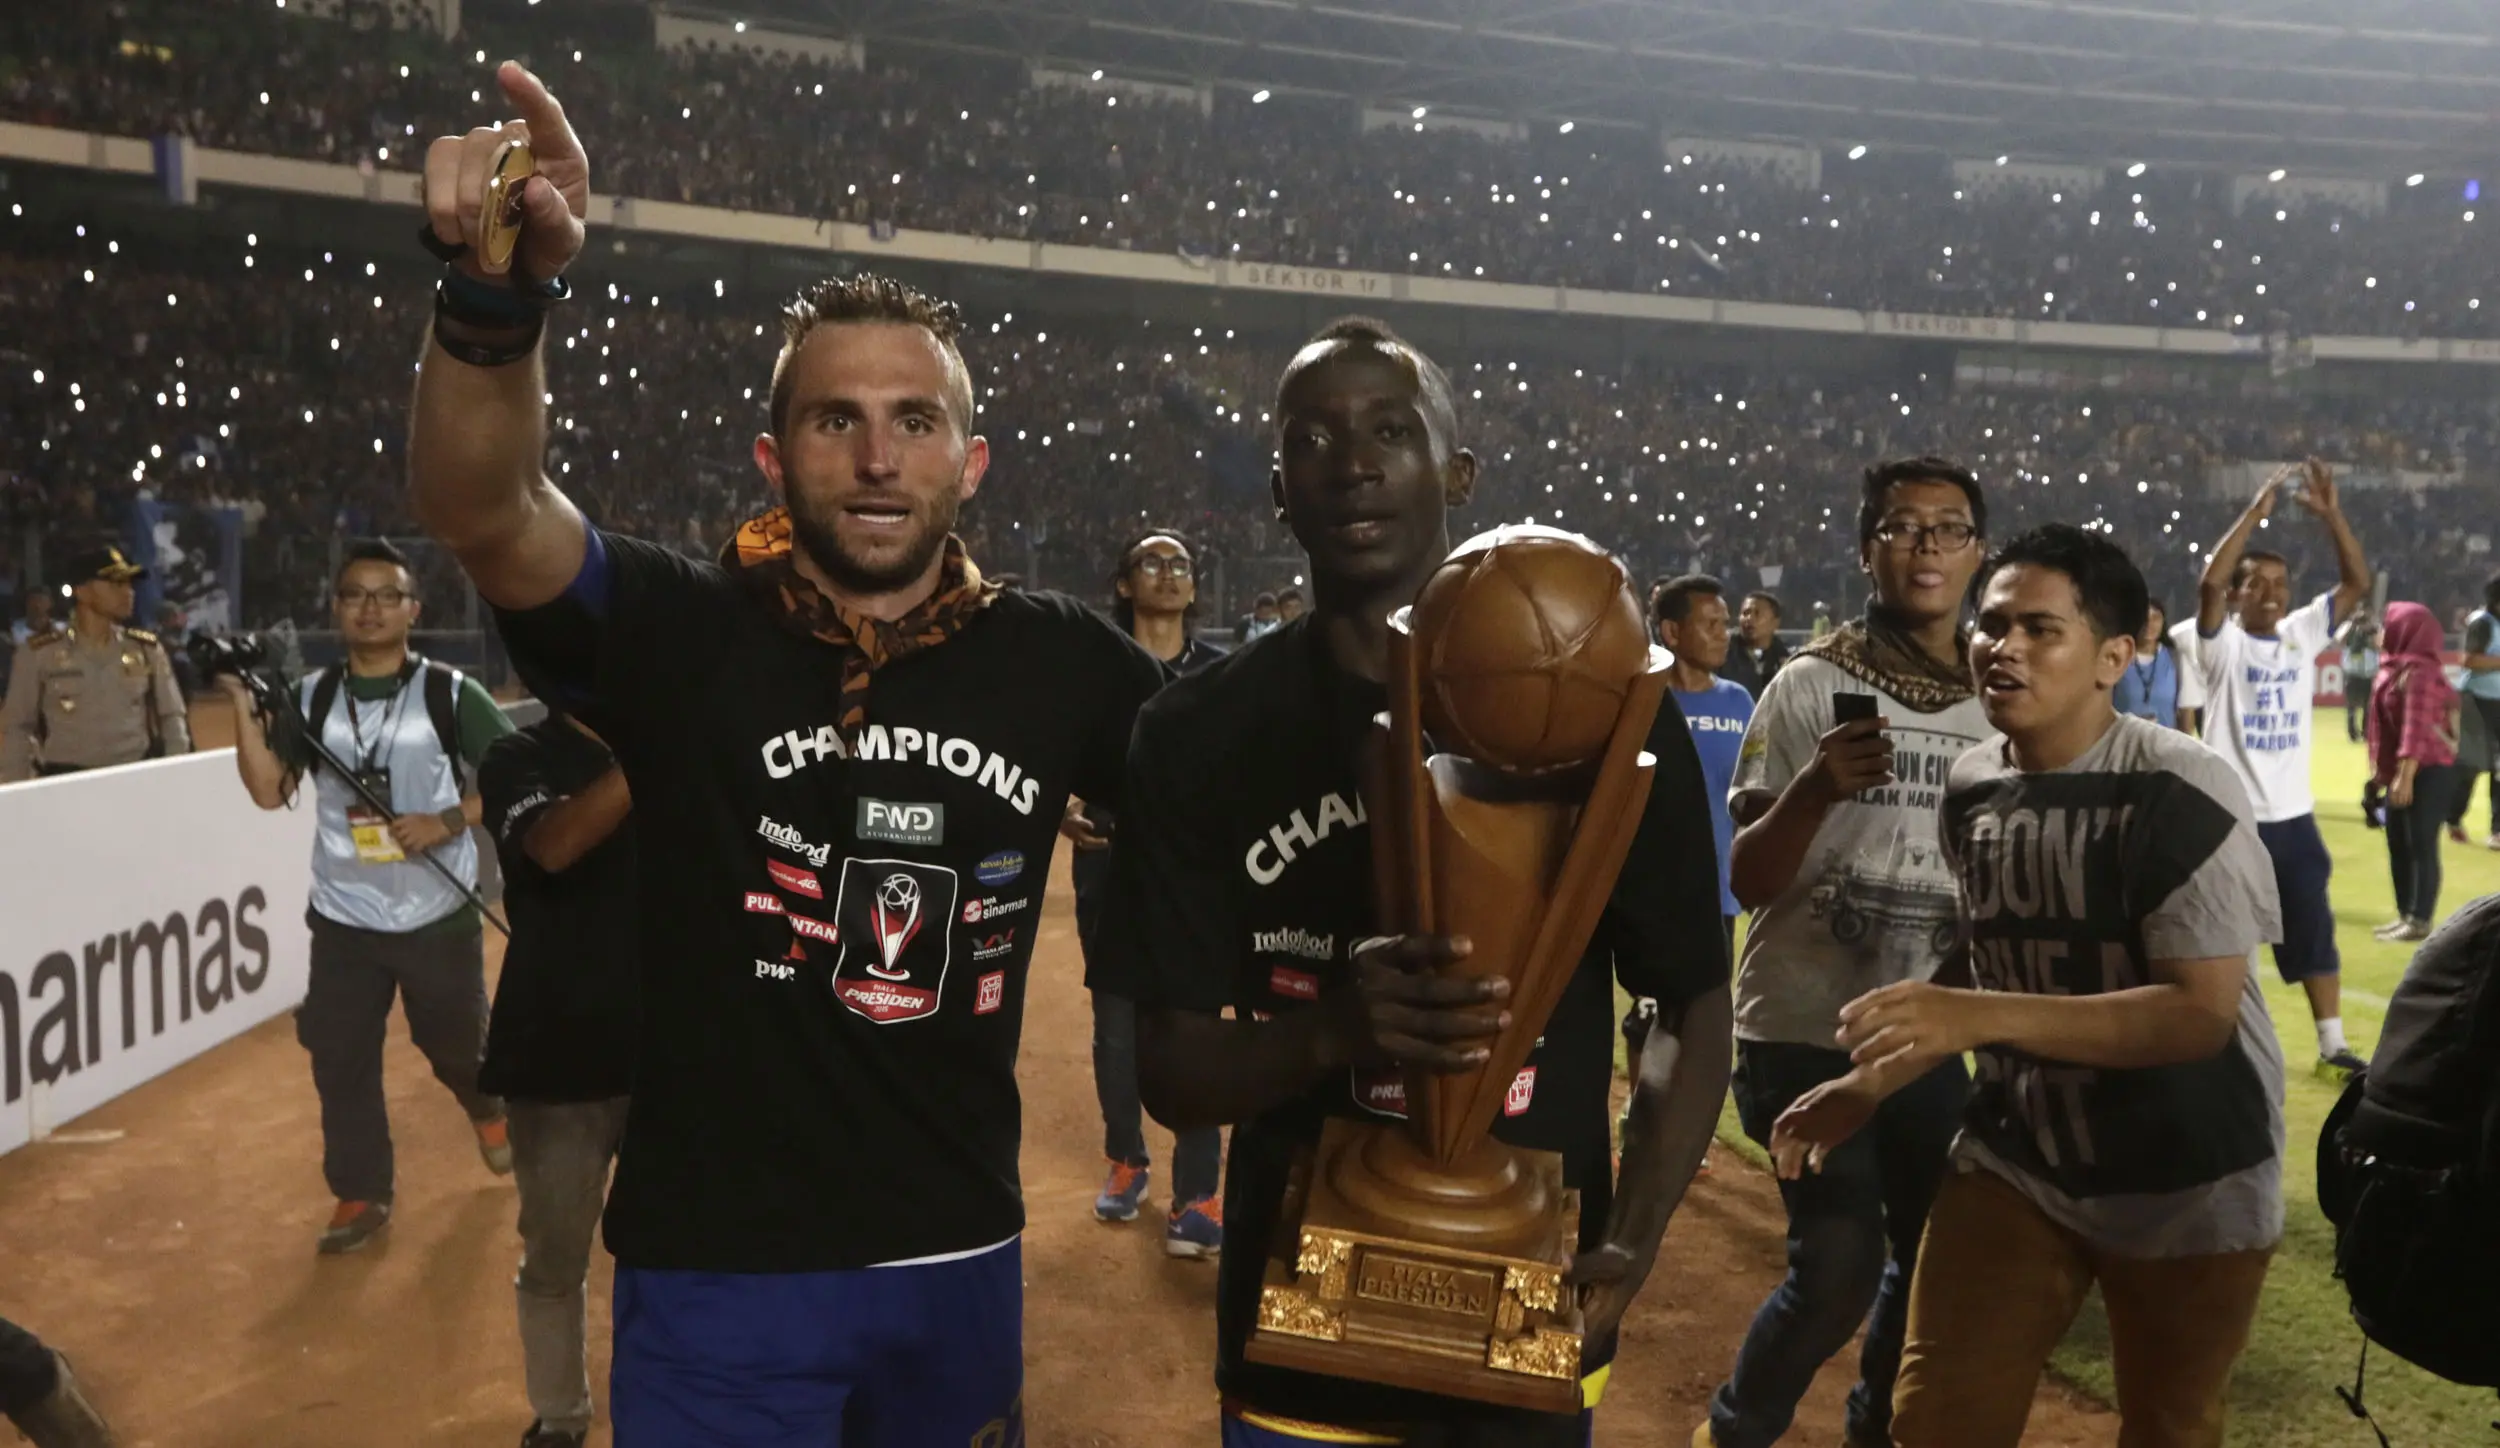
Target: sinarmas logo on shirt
x=786, y=754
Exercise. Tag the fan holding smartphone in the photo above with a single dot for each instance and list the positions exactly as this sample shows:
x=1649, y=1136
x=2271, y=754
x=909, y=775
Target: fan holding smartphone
x=1836, y=796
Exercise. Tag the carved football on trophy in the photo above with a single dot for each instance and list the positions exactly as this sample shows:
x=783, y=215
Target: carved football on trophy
x=1429, y=1253
x=1529, y=641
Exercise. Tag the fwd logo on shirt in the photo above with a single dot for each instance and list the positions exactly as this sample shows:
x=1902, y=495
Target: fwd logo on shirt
x=902, y=824
x=1284, y=842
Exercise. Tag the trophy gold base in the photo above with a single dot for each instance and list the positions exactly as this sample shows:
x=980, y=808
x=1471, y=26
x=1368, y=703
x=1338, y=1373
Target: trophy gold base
x=1450, y=1280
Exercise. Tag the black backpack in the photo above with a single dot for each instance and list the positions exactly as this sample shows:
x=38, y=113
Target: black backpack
x=442, y=705
x=2409, y=1163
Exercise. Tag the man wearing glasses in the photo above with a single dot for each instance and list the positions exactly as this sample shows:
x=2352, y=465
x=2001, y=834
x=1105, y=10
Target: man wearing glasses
x=384, y=923
x=1836, y=854
x=1155, y=600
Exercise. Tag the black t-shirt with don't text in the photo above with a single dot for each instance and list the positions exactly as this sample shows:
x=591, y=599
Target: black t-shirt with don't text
x=1243, y=879
x=835, y=929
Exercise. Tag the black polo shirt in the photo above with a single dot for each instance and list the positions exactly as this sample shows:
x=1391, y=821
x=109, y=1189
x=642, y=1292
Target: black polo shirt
x=567, y=1004
x=1242, y=880
x=835, y=928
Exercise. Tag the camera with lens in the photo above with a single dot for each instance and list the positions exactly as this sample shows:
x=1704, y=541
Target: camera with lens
x=238, y=654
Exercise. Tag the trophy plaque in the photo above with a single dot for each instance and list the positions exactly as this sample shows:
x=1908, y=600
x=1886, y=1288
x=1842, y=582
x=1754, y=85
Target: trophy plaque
x=1425, y=1254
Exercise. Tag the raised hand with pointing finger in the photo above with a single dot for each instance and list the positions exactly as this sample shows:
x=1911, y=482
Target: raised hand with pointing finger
x=552, y=202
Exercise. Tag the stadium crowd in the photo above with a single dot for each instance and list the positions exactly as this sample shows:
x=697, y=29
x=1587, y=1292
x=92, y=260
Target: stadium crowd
x=958, y=147
x=201, y=382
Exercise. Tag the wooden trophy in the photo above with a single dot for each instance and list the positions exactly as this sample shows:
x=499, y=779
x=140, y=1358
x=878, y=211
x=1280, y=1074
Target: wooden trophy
x=1426, y=1254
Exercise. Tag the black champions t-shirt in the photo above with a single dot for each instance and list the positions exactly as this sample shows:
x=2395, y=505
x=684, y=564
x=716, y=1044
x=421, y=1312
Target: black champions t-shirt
x=1243, y=878
x=566, y=1018
x=835, y=930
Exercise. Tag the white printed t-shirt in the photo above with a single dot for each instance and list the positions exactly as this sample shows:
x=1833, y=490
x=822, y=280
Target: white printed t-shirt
x=2261, y=714
x=2191, y=672
x=1874, y=901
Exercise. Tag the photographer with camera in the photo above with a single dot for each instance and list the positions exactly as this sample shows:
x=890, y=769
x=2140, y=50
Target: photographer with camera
x=394, y=909
x=96, y=693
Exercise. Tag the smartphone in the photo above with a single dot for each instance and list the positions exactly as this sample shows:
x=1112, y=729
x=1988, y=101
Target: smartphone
x=1849, y=708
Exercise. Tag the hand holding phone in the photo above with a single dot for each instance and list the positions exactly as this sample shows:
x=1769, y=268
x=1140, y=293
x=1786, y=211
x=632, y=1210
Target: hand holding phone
x=1855, y=756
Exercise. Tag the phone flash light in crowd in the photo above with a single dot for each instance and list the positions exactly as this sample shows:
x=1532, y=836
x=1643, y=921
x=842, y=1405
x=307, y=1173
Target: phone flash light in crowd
x=1857, y=153
x=1419, y=112
x=2473, y=190
x=1258, y=97
x=1566, y=127
x=2277, y=174
x=2136, y=170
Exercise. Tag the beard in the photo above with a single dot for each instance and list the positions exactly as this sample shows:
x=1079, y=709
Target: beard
x=815, y=528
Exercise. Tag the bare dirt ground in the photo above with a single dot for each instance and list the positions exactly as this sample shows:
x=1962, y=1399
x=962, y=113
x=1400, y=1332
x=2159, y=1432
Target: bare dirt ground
x=174, y=1261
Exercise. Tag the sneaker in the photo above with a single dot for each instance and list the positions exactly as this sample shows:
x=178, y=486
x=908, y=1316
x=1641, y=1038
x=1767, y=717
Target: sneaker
x=2409, y=932
x=2493, y=843
x=542, y=1436
x=494, y=1144
x=64, y=1419
x=353, y=1225
x=2391, y=929
x=1122, y=1190
x=2344, y=1062
x=1195, y=1231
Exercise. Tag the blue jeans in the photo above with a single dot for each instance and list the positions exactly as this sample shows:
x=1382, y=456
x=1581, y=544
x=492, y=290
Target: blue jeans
x=1853, y=1232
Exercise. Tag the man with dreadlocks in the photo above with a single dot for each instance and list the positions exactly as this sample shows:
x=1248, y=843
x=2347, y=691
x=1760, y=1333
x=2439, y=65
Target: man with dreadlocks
x=849, y=753
x=1836, y=854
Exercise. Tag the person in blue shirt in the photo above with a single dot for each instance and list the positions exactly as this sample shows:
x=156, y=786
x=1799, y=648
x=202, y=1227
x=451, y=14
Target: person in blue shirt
x=2149, y=689
x=1690, y=617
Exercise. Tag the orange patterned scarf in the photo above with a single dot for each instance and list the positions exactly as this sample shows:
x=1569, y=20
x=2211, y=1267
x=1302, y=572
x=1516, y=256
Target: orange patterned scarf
x=760, y=555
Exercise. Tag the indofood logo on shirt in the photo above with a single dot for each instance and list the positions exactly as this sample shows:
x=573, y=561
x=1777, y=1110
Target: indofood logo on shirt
x=891, y=919
x=788, y=837
x=1293, y=940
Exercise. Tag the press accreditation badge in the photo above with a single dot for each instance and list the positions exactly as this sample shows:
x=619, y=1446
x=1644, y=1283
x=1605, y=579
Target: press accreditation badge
x=370, y=828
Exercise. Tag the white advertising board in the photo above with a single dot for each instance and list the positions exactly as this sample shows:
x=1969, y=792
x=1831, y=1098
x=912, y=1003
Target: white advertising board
x=147, y=914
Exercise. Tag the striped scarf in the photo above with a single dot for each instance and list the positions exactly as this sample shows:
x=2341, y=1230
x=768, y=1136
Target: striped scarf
x=1880, y=650
x=760, y=556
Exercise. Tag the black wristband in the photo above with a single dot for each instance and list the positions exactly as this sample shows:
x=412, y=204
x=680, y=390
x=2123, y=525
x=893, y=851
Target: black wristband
x=485, y=354
x=464, y=298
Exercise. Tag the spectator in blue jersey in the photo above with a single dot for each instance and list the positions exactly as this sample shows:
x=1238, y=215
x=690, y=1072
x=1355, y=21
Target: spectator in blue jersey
x=2149, y=689
x=1689, y=615
x=1691, y=618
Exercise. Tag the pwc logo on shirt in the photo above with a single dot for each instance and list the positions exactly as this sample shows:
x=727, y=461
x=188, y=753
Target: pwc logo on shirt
x=894, y=919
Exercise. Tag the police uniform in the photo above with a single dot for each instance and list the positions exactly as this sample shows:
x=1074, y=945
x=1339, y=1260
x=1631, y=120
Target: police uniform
x=78, y=701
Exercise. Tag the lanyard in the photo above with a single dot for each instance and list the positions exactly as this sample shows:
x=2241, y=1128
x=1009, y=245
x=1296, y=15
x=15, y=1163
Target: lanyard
x=367, y=757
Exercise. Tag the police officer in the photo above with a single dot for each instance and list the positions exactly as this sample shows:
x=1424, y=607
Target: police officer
x=95, y=693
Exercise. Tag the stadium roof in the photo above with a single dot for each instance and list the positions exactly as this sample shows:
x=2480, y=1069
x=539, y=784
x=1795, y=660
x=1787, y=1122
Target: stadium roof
x=2357, y=87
